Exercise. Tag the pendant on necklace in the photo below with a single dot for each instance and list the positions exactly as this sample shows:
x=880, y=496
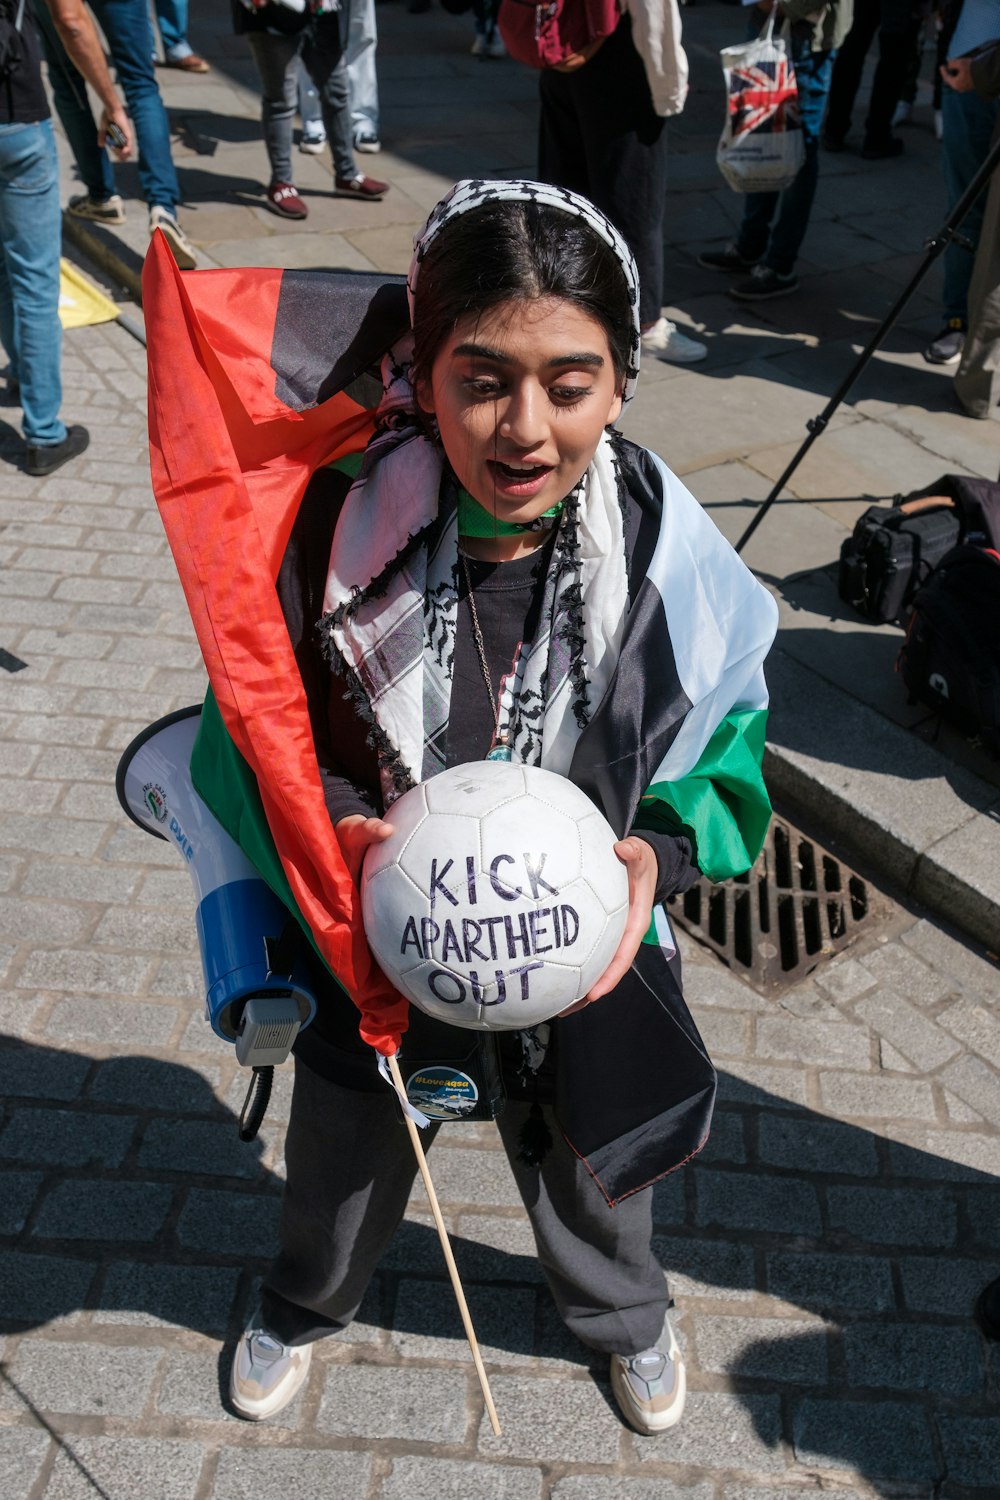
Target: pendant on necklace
x=499, y=751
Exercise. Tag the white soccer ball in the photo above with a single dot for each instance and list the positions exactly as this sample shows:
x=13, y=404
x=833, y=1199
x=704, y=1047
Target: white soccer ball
x=498, y=900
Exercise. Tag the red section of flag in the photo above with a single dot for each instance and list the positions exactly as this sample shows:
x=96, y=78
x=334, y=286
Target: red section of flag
x=230, y=464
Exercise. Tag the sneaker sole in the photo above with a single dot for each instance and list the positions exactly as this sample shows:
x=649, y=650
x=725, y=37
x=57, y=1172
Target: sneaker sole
x=710, y=265
x=933, y=359
x=312, y=148
x=259, y=1411
x=666, y=358
x=358, y=197
x=367, y=149
x=114, y=219
x=779, y=291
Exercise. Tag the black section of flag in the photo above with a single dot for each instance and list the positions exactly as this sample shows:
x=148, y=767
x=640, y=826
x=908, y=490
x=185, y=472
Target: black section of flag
x=332, y=327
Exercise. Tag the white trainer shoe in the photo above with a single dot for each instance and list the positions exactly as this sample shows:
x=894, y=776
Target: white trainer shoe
x=266, y=1374
x=665, y=342
x=651, y=1387
x=109, y=210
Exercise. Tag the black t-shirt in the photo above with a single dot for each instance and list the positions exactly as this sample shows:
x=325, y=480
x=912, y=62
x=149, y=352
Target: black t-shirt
x=22, y=95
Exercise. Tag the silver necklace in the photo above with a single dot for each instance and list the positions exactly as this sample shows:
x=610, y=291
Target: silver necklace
x=500, y=749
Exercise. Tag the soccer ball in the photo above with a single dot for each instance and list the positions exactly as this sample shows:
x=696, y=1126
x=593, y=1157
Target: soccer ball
x=498, y=900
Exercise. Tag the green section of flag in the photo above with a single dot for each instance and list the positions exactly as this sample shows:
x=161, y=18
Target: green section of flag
x=722, y=805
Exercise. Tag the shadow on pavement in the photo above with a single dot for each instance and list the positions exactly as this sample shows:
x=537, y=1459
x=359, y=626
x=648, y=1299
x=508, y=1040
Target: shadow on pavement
x=128, y=1197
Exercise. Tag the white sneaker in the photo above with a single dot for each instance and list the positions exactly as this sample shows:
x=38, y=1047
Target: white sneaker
x=903, y=113
x=666, y=343
x=495, y=46
x=97, y=210
x=478, y=48
x=266, y=1374
x=651, y=1387
x=181, y=247
x=313, y=142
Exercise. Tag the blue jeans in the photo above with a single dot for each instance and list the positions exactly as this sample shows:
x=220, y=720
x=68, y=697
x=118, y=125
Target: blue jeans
x=127, y=27
x=778, y=247
x=172, y=20
x=968, y=126
x=30, y=241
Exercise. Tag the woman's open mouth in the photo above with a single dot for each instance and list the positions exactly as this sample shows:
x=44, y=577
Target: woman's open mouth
x=518, y=479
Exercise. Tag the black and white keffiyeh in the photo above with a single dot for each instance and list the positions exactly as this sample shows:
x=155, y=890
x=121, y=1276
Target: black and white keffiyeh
x=391, y=601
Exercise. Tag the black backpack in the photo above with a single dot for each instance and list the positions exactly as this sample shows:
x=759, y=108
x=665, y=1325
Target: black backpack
x=950, y=659
x=894, y=547
x=11, y=19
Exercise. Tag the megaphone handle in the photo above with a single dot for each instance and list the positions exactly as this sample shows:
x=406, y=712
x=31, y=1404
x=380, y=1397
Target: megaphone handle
x=256, y=1102
x=456, y=1281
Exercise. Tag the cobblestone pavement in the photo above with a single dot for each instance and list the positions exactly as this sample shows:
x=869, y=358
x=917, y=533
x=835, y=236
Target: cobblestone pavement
x=824, y=1250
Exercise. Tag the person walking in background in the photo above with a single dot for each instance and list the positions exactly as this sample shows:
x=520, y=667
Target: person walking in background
x=487, y=42
x=774, y=224
x=897, y=28
x=282, y=41
x=31, y=228
x=362, y=41
x=968, y=121
x=977, y=383
x=602, y=133
x=172, y=21
x=129, y=35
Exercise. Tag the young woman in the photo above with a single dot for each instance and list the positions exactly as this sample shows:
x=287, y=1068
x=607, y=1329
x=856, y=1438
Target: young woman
x=503, y=575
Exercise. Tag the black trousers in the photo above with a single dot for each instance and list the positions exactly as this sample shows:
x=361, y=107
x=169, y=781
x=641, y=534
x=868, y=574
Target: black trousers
x=599, y=135
x=350, y=1168
x=896, y=32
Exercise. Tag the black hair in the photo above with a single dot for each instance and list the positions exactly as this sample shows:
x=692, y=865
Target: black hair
x=505, y=251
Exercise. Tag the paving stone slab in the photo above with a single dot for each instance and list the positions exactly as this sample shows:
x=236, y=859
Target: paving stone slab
x=777, y=1350
x=894, y=1216
x=166, y=1468
x=881, y=1440
x=745, y=1201
x=938, y=1284
x=900, y=1357
x=831, y=1284
x=723, y=1432
x=825, y=1147
x=706, y=1268
x=386, y=1401
x=146, y=1295
x=23, y=1454
x=554, y=1421
x=441, y=1479
x=94, y=1210
x=97, y=1380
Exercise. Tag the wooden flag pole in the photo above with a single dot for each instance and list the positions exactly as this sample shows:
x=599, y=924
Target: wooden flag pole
x=463, y=1306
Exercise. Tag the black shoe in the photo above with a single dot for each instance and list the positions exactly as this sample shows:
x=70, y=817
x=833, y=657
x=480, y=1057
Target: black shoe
x=762, y=283
x=46, y=458
x=946, y=348
x=728, y=259
x=882, y=150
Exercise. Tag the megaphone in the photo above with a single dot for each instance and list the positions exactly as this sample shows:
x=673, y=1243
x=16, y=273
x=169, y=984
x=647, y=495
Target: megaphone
x=257, y=992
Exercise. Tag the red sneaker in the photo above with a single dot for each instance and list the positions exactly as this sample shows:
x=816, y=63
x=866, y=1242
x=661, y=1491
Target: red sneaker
x=285, y=200
x=360, y=187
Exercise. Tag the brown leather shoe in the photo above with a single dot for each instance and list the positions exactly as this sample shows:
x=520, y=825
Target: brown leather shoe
x=190, y=64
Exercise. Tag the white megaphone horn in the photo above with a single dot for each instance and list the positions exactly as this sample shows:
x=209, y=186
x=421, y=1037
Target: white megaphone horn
x=256, y=988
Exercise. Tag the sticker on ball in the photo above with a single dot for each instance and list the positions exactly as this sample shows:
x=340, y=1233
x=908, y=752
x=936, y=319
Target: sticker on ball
x=498, y=901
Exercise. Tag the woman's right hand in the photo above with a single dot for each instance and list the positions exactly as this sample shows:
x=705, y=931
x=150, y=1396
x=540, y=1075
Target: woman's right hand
x=356, y=834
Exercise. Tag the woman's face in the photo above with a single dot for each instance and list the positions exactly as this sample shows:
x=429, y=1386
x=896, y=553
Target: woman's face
x=522, y=394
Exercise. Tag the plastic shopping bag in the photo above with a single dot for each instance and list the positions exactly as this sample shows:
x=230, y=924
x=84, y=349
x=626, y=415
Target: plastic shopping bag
x=761, y=149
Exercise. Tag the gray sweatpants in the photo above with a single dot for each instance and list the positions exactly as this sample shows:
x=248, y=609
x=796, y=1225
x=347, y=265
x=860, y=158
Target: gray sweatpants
x=350, y=1169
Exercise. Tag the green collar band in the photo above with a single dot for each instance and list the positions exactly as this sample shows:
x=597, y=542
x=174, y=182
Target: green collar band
x=475, y=520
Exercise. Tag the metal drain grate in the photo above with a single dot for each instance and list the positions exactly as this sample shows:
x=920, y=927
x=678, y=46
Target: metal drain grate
x=798, y=906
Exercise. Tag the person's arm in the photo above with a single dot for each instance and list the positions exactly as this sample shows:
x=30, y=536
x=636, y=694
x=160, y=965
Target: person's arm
x=78, y=34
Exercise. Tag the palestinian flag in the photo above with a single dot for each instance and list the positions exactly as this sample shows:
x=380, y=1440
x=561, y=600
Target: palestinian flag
x=236, y=359
x=256, y=380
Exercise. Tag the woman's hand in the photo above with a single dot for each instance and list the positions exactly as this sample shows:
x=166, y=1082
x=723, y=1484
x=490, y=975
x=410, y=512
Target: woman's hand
x=356, y=834
x=639, y=860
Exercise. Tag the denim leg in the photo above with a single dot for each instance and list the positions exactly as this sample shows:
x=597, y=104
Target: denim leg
x=30, y=241
x=70, y=95
x=968, y=126
x=127, y=27
x=813, y=71
x=326, y=64
x=755, y=226
x=362, y=40
x=172, y=20
x=277, y=59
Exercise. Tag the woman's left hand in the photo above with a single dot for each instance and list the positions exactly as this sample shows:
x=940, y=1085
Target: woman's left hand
x=639, y=860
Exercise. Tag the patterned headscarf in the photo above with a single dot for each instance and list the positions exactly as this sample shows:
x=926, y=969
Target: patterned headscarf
x=474, y=192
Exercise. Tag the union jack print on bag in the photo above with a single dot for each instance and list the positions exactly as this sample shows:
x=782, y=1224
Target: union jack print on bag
x=761, y=149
